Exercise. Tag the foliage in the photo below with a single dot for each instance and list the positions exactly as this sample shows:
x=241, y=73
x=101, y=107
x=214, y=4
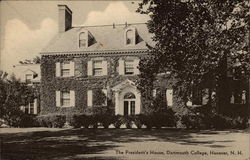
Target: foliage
x=127, y=121
x=52, y=120
x=118, y=121
x=13, y=95
x=138, y=120
x=28, y=120
x=36, y=60
x=106, y=120
x=194, y=39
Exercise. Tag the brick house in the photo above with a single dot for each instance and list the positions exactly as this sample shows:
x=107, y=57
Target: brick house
x=79, y=60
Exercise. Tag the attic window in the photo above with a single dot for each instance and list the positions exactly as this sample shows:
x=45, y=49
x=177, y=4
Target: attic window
x=130, y=36
x=83, y=40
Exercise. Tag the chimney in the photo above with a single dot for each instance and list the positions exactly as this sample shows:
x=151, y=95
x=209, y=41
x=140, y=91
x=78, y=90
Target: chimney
x=64, y=18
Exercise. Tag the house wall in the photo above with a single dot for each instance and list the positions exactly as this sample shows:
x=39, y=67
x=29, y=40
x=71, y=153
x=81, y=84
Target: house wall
x=80, y=83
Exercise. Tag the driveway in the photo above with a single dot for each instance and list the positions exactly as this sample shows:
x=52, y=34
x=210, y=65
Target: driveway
x=112, y=144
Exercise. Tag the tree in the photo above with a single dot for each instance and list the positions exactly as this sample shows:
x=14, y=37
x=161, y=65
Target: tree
x=36, y=60
x=194, y=40
x=13, y=94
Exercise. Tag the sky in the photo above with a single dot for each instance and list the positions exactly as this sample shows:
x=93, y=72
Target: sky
x=27, y=26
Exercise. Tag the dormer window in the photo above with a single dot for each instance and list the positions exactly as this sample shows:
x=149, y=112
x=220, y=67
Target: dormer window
x=130, y=36
x=83, y=40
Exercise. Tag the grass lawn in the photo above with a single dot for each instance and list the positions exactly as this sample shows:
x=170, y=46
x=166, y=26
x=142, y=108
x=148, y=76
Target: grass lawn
x=110, y=144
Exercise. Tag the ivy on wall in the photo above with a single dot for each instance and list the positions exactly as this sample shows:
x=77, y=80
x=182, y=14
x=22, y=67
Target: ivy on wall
x=80, y=83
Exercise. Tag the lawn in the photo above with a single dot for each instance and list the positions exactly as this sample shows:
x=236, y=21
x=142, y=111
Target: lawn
x=111, y=144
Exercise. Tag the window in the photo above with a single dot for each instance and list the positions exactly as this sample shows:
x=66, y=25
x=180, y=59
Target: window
x=65, y=99
x=65, y=69
x=28, y=78
x=82, y=40
x=29, y=109
x=129, y=67
x=97, y=68
x=130, y=37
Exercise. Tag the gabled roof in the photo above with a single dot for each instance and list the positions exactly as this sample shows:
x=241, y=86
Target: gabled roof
x=124, y=84
x=21, y=70
x=106, y=38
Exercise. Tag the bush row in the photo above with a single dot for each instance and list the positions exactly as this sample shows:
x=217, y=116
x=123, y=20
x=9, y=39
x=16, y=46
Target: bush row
x=157, y=121
x=215, y=121
x=87, y=121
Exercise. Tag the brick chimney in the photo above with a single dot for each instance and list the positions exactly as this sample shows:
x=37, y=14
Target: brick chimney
x=64, y=18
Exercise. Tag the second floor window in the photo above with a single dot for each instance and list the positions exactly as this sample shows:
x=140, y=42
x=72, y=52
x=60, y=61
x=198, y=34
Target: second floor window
x=97, y=68
x=129, y=67
x=65, y=69
x=28, y=78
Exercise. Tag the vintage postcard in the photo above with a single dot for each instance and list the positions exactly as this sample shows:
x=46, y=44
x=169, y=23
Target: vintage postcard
x=116, y=80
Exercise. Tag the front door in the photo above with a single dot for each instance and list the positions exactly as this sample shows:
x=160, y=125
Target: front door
x=129, y=107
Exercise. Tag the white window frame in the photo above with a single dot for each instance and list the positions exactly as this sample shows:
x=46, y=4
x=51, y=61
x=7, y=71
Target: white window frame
x=127, y=64
x=100, y=67
x=63, y=98
x=65, y=66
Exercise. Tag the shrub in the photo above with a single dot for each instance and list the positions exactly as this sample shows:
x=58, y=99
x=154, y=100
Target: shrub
x=138, y=120
x=92, y=120
x=147, y=121
x=127, y=120
x=106, y=120
x=28, y=120
x=117, y=121
x=191, y=121
x=75, y=121
x=56, y=121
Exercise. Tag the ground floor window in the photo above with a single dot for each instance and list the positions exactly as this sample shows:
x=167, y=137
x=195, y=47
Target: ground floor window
x=65, y=99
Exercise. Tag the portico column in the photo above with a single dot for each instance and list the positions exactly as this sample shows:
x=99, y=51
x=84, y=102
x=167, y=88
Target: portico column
x=138, y=104
x=116, y=102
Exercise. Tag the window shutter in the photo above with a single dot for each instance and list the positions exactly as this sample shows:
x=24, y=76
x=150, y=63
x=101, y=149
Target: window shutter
x=72, y=68
x=72, y=98
x=35, y=106
x=205, y=97
x=136, y=64
x=90, y=98
x=58, y=98
x=121, y=67
x=154, y=93
x=105, y=67
x=58, y=69
x=169, y=97
x=105, y=91
x=90, y=68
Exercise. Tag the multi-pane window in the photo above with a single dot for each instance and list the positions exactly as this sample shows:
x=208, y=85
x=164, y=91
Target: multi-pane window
x=32, y=107
x=82, y=40
x=28, y=78
x=130, y=37
x=97, y=68
x=29, y=109
x=65, y=69
x=129, y=67
x=65, y=98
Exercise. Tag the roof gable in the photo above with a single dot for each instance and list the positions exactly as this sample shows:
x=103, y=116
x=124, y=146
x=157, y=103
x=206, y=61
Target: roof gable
x=105, y=38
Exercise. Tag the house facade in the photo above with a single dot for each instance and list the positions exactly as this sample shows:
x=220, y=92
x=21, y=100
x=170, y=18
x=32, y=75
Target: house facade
x=80, y=60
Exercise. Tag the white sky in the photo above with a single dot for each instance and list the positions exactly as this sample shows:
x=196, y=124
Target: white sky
x=27, y=26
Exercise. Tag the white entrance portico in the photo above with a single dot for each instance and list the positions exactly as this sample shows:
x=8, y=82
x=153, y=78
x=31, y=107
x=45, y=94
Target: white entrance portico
x=127, y=98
